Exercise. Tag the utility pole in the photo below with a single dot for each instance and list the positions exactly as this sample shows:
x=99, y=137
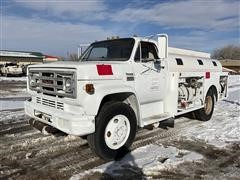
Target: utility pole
x=80, y=49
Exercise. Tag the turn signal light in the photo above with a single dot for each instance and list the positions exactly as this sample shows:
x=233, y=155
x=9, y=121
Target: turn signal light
x=89, y=88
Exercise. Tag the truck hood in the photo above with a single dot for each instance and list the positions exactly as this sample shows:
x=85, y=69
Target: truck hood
x=87, y=70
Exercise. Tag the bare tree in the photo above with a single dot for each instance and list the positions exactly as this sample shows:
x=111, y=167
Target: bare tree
x=62, y=58
x=227, y=52
x=73, y=57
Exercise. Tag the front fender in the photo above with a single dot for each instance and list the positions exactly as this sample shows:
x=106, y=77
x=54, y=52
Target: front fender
x=92, y=102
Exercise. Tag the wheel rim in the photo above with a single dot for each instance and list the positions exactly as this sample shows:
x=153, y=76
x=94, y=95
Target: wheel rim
x=117, y=131
x=208, y=105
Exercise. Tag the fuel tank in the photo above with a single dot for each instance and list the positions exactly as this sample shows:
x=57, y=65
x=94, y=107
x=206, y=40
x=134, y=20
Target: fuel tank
x=182, y=60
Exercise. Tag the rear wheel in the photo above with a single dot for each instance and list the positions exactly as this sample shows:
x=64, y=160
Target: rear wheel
x=205, y=113
x=115, y=131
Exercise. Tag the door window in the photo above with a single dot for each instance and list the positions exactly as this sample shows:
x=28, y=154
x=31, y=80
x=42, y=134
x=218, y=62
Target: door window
x=145, y=52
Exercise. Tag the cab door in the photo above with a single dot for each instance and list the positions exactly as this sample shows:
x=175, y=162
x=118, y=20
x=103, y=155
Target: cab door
x=150, y=74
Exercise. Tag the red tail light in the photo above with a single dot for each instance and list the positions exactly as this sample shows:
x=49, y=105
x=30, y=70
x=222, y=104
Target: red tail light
x=104, y=70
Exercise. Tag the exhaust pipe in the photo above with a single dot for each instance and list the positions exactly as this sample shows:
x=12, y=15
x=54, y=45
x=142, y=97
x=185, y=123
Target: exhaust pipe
x=44, y=128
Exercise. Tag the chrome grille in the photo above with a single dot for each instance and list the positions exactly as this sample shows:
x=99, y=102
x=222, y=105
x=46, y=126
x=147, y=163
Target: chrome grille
x=50, y=103
x=52, y=82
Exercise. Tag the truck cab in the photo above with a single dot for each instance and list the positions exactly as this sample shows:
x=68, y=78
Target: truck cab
x=121, y=85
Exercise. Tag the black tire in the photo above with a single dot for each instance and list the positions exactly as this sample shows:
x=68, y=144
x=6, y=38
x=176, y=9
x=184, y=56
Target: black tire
x=205, y=113
x=96, y=140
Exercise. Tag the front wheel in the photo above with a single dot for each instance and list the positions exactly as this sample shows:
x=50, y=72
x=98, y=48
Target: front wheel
x=205, y=113
x=115, y=131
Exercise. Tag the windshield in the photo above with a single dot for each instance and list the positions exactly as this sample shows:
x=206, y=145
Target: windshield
x=110, y=50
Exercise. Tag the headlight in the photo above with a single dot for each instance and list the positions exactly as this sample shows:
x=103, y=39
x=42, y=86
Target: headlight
x=33, y=82
x=68, y=86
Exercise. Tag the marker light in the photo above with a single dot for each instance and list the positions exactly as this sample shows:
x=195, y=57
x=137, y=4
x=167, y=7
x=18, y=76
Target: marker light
x=89, y=88
x=207, y=75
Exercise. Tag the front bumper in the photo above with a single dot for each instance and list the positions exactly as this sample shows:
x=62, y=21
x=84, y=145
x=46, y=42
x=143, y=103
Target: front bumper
x=70, y=123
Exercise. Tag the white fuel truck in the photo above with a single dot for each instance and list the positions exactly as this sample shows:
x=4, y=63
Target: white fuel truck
x=121, y=85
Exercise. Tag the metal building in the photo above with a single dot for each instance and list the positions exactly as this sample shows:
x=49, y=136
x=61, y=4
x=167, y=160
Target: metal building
x=20, y=57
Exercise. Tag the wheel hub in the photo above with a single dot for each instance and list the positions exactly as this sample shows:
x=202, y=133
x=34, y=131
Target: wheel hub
x=117, y=131
x=208, y=105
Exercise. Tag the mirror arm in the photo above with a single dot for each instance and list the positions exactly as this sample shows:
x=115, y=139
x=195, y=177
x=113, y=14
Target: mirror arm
x=148, y=60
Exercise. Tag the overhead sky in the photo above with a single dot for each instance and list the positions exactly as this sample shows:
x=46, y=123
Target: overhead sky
x=56, y=27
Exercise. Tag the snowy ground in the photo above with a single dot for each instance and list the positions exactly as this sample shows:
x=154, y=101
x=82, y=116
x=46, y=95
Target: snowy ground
x=12, y=87
x=221, y=132
x=190, y=150
x=12, y=92
x=147, y=160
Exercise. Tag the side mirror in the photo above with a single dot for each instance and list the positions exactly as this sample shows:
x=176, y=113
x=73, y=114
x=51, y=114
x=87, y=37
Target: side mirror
x=159, y=64
x=162, y=46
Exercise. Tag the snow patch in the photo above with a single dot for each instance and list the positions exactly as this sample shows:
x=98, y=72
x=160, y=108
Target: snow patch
x=222, y=129
x=233, y=80
x=31, y=142
x=71, y=138
x=151, y=159
x=13, y=78
x=19, y=92
x=6, y=105
x=8, y=117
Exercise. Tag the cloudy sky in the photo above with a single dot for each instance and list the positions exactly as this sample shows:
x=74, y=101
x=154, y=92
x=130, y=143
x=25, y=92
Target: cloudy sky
x=56, y=27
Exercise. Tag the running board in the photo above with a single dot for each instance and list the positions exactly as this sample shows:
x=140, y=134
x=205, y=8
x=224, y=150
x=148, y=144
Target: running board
x=180, y=112
x=156, y=118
